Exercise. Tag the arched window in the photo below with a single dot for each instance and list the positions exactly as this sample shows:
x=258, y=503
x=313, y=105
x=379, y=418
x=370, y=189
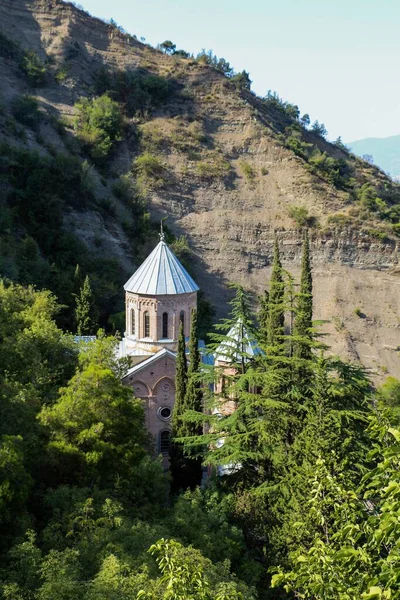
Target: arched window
x=165, y=325
x=165, y=442
x=182, y=318
x=146, y=324
x=133, y=323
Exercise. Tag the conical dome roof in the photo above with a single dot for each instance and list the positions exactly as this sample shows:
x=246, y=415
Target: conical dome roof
x=161, y=274
x=238, y=343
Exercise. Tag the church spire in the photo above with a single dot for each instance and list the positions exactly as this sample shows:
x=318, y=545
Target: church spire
x=162, y=234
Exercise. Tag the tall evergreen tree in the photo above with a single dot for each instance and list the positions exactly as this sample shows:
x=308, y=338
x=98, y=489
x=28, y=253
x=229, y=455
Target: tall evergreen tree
x=181, y=379
x=84, y=309
x=263, y=316
x=276, y=303
x=193, y=398
x=304, y=311
x=185, y=462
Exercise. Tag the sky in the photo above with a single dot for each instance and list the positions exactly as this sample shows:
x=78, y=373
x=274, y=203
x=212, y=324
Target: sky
x=338, y=60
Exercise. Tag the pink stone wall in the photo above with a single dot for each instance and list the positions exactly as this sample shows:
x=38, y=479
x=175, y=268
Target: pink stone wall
x=156, y=306
x=154, y=384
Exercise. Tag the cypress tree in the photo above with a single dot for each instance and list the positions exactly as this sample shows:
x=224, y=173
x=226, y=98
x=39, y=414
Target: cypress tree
x=180, y=383
x=84, y=309
x=191, y=469
x=304, y=312
x=193, y=398
x=181, y=378
x=276, y=304
x=263, y=317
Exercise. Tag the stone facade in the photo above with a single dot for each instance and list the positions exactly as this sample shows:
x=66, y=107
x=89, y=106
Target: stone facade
x=152, y=322
x=153, y=381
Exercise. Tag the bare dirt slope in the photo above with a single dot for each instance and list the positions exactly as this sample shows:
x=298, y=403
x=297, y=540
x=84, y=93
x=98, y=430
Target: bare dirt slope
x=228, y=180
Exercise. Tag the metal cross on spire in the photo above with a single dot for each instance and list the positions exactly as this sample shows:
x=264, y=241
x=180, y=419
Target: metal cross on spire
x=162, y=234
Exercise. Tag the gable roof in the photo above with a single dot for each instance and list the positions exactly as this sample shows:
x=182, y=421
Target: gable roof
x=161, y=274
x=148, y=361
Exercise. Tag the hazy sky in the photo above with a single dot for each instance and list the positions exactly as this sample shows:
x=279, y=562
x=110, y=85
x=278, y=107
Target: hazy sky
x=337, y=59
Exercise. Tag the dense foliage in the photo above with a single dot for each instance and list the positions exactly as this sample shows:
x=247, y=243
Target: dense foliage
x=88, y=513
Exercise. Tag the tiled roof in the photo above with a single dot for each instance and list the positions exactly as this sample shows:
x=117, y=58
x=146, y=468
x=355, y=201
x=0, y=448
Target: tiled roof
x=161, y=273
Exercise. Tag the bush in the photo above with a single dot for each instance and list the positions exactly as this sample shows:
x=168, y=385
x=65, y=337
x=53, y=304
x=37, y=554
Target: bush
x=33, y=68
x=98, y=125
x=213, y=168
x=138, y=90
x=247, y=170
x=336, y=171
x=150, y=171
x=301, y=216
x=26, y=110
x=62, y=73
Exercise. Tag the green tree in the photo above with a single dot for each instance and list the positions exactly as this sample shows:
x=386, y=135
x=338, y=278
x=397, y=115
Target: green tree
x=185, y=573
x=304, y=308
x=305, y=120
x=276, y=302
x=185, y=463
x=96, y=428
x=263, y=317
x=99, y=125
x=15, y=481
x=178, y=428
x=389, y=395
x=319, y=129
x=33, y=68
x=168, y=47
x=354, y=551
x=84, y=309
x=242, y=80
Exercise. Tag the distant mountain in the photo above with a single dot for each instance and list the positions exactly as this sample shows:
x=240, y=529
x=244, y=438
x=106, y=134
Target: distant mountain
x=385, y=152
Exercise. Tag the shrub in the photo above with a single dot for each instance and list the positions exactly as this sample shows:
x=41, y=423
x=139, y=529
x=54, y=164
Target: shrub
x=340, y=219
x=301, y=216
x=150, y=171
x=33, y=68
x=213, y=168
x=26, y=110
x=98, y=125
x=264, y=171
x=247, y=170
x=138, y=90
x=336, y=171
x=62, y=73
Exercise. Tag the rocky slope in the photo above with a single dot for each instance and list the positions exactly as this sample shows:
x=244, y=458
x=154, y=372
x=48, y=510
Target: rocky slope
x=229, y=180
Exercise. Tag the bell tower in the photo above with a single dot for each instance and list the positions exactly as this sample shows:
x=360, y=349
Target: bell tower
x=158, y=296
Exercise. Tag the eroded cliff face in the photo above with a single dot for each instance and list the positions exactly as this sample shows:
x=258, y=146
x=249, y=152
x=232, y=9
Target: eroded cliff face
x=229, y=219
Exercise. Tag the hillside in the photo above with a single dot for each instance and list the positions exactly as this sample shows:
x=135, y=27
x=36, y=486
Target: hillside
x=384, y=151
x=227, y=168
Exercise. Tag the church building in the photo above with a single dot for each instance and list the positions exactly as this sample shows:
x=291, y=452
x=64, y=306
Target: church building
x=158, y=297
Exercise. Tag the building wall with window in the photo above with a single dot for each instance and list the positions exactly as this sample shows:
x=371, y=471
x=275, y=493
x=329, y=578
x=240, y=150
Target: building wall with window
x=154, y=320
x=154, y=384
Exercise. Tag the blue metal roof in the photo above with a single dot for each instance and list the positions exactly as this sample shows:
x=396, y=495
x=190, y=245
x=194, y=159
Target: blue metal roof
x=238, y=342
x=161, y=274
